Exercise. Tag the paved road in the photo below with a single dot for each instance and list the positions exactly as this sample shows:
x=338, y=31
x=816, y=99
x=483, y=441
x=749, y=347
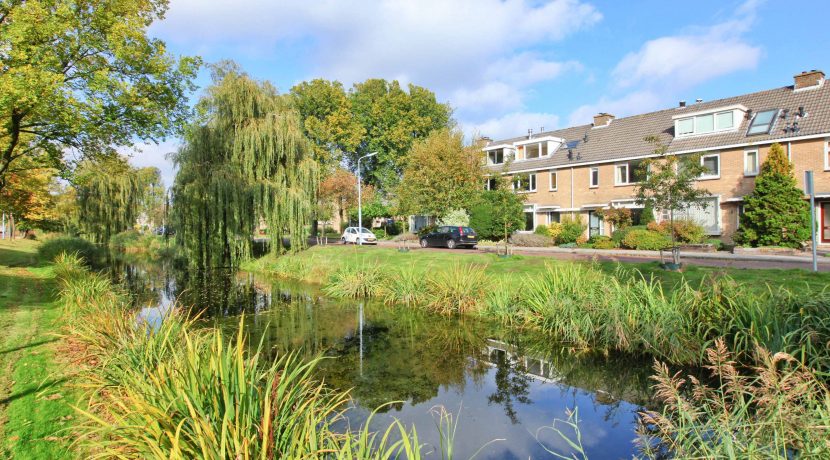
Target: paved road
x=705, y=262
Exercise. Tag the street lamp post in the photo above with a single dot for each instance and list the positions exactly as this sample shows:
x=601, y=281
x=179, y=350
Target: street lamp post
x=359, y=205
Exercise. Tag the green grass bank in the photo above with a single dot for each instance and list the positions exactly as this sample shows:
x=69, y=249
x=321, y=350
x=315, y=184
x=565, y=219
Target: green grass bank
x=636, y=308
x=37, y=420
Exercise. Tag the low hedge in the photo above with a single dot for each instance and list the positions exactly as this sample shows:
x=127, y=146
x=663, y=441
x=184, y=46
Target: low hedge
x=646, y=240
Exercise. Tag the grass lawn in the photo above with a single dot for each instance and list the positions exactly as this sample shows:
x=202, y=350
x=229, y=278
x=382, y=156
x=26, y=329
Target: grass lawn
x=35, y=397
x=333, y=255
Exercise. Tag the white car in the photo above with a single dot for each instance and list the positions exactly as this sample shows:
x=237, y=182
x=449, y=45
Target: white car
x=351, y=235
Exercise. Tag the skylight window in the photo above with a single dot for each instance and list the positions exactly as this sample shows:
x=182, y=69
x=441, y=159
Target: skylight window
x=762, y=123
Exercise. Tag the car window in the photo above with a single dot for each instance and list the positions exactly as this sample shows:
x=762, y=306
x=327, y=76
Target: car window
x=365, y=230
x=350, y=230
x=468, y=230
x=443, y=230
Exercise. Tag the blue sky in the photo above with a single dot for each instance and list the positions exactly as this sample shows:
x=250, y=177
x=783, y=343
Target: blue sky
x=506, y=66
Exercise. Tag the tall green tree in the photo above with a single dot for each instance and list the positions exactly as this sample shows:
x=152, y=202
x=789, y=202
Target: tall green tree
x=670, y=184
x=109, y=193
x=441, y=174
x=244, y=163
x=498, y=213
x=328, y=121
x=392, y=119
x=83, y=75
x=775, y=213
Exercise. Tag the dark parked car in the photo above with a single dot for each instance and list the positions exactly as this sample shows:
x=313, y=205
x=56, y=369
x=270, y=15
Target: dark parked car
x=451, y=237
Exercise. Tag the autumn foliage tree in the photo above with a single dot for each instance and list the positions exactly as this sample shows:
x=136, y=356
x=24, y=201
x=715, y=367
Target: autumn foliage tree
x=27, y=200
x=775, y=213
x=85, y=76
x=339, y=192
x=441, y=173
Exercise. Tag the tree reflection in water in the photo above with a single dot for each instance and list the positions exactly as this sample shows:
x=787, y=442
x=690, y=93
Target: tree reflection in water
x=512, y=383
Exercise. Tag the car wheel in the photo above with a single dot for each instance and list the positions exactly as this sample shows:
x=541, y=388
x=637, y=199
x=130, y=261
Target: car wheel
x=343, y=240
x=424, y=243
x=450, y=244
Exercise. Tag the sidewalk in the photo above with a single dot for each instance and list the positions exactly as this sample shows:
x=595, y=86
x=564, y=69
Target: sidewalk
x=717, y=259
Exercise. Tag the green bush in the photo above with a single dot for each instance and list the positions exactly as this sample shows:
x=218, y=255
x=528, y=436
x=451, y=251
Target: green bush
x=125, y=239
x=619, y=235
x=494, y=210
x=685, y=230
x=718, y=244
x=602, y=242
x=645, y=240
x=568, y=245
x=542, y=230
x=572, y=229
x=647, y=215
x=51, y=248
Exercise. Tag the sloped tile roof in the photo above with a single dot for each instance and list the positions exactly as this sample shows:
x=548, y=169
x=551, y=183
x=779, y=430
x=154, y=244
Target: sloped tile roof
x=625, y=137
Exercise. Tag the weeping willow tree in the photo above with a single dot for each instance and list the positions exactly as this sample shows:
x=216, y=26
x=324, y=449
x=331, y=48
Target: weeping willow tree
x=244, y=165
x=109, y=192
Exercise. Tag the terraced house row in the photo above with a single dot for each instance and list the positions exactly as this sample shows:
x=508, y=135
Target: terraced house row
x=581, y=169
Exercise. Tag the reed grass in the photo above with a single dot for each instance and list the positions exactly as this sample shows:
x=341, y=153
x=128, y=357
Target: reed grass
x=177, y=391
x=458, y=289
x=356, y=281
x=779, y=409
x=406, y=286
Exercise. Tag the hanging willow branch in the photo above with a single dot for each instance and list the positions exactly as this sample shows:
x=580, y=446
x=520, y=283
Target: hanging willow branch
x=109, y=192
x=246, y=164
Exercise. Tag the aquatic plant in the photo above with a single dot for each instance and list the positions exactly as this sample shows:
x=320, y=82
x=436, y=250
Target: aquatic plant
x=406, y=285
x=778, y=410
x=458, y=289
x=355, y=281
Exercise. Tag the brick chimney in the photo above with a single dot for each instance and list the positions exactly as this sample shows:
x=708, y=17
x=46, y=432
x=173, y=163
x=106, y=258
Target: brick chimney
x=807, y=79
x=602, y=119
x=482, y=141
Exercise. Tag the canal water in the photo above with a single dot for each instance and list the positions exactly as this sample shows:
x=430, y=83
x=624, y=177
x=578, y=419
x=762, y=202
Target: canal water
x=506, y=389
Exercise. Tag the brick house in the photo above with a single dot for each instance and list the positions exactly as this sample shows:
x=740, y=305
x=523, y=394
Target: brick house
x=581, y=169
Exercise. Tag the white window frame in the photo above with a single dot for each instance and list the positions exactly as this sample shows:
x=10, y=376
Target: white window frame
x=531, y=178
x=710, y=176
x=591, y=183
x=549, y=213
x=696, y=131
x=503, y=154
x=532, y=209
x=827, y=153
x=627, y=166
x=748, y=173
x=551, y=186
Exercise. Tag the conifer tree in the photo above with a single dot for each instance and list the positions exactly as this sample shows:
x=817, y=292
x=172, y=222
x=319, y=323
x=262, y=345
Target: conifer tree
x=775, y=214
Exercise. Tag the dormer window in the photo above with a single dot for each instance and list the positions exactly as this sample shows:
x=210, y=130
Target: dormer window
x=495, y=157
x=762, y=122
x=725, y=119
x=533, y=151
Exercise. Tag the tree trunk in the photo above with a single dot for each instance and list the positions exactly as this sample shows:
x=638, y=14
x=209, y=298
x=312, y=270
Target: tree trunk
x=675, y=252
x=11, y=226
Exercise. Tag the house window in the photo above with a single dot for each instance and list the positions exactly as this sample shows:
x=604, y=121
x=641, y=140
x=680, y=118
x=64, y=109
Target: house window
x=704, y=124
x=712, y=164
x=530, y=219
x=629, y=173
x=706, y=214
x=553, y=216
x=495, y=157
x=491, y=184
x=553, y=181
x=751, y=163
x=594, y=177
x=827, y=155
x=531, y=151
x=525, y=183
x=762, y=123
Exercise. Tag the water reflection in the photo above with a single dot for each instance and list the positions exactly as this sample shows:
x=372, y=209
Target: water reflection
x=501, y=384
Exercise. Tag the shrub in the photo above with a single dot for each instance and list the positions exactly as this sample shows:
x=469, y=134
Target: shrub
x=50, y=249
x=123, y=240
x=459, y=289
x=455, y=218
x=646, y=240
x=619, y=235
x=647, y=215
x=618, y=217
x=718, y=244
x=554, y=230
x=685, y=230
x=355, y=281
x=568, y=245
x=602, y=242
x=531, y=240
x=542, y=230
x=494, y=210
x=572, y=229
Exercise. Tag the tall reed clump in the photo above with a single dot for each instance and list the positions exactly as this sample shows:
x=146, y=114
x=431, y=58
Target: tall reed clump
x=175, y=391
x=779, y=410
x=459, y=289
x=406, y=285
x=355, y=281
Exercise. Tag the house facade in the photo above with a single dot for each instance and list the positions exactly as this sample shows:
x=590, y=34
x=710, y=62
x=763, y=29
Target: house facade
x=582, y=169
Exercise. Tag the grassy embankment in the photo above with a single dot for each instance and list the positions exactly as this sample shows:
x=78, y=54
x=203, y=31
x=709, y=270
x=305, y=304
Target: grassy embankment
x=635, y=308
x=36, y=417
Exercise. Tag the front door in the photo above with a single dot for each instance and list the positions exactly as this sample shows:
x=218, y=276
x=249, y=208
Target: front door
x=594, y=224
x=825, y=222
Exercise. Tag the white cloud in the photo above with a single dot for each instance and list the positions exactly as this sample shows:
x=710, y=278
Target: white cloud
x=445, y=46
x=512, y=124
x=665, y=67
x=150, y=154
